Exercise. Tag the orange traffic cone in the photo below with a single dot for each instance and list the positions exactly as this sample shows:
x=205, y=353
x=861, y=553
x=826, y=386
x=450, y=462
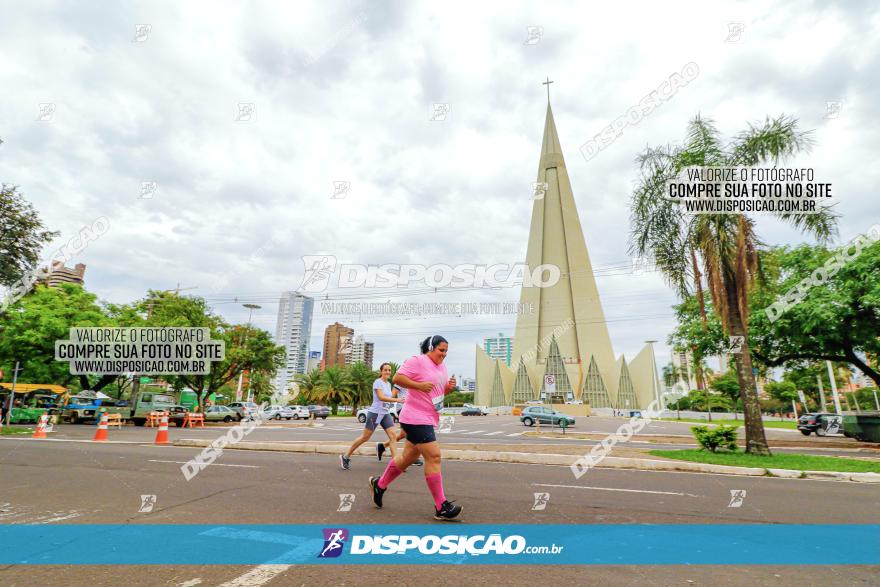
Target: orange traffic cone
x=101, y=432
x=40, y=432
x=162, y=433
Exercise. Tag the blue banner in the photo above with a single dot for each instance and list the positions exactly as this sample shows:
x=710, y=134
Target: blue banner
x=444, y=543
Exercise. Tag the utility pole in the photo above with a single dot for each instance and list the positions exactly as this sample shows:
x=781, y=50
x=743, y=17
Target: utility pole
x=251, y=308
x=11, y=402
x=833, y=387
x=823, y=408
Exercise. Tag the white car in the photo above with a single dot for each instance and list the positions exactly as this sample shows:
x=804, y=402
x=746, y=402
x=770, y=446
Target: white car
x=394, y=411
x=286, y=412
x=298, y=412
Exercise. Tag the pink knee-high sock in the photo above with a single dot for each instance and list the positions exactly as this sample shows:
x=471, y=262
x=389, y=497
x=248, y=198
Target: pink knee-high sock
x=435, y=484
x=391, y=473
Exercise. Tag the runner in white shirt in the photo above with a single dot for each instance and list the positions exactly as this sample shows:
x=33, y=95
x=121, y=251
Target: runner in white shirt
x=377, y=413
x=401, y=434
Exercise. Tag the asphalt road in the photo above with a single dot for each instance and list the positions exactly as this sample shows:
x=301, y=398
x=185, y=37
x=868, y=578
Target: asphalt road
x=468, y=430
x=82, y=482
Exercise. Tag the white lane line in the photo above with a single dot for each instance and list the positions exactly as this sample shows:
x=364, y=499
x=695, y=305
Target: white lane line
x=191, y=583
x=517, y=434
x=616, y=489
x=494, y=433
x=220, y=464
x=473, y=432
x=58, y=519
x=257, y=576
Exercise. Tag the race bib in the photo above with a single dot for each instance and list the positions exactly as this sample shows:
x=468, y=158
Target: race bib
x=438, y=403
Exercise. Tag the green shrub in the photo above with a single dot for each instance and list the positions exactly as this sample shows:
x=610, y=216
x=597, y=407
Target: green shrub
x=714, y=438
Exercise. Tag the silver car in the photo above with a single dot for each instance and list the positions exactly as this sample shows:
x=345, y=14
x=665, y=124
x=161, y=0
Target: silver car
x=220, y=414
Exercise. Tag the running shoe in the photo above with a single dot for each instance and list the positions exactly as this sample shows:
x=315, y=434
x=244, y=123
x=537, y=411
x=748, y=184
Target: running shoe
x=419, y=463
x=447, y=511
x=345, y=462
x=378, y=492
x=380, y=450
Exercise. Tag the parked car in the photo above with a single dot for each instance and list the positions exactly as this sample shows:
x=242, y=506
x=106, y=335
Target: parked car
x=474, y=411
x=220, y=414
x=819, y=423
x=394, y=411
x=149, y=401
x=244, y=409
x=544, y=415
x=319, y=412
x=299, y=412
x=177, y=414
x=286, y=412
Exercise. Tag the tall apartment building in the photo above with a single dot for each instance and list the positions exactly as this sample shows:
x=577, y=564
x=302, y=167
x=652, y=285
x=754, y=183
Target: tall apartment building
x=59, y=274
x=338, y=344
x=314, y=361
x=361, y=352
x=499, y=347
x=293, y=330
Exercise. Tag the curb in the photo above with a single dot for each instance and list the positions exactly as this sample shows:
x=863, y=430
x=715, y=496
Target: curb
x=556, y=459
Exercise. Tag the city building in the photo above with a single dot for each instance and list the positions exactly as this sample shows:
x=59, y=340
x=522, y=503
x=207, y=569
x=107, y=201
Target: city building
x=361, y=352
x=467, y=384
x=292, y=331
x=314, y=361
x=499, y=347
x=338, y=341
x=684, y=362
x=562, y=351
x=59, y=274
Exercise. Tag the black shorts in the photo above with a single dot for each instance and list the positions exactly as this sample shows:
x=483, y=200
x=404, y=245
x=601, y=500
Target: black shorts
x=419, y=433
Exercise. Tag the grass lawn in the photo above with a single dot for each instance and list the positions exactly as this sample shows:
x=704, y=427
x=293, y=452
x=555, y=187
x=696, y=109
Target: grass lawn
x=791, y=425
x=15, y=431
x=777, y=461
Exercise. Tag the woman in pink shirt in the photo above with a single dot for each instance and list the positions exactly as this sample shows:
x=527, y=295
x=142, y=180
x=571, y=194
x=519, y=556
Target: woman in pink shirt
x=427, y=382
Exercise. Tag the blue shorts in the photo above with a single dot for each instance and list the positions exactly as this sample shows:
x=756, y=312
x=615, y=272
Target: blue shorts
x=374, y=419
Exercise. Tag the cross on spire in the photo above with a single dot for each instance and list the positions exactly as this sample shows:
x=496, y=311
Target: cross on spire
x=547, y=83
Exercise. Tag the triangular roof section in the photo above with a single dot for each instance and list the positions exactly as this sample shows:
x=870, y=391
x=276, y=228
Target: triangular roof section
x=594, y=391
x=626, y=393
x=523, y=390
x=643, y=371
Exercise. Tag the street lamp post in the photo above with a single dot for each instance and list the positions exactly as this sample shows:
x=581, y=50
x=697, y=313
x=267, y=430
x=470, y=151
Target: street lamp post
x=251, y=308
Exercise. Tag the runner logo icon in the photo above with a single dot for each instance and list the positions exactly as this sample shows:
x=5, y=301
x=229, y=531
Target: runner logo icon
x=334, y=541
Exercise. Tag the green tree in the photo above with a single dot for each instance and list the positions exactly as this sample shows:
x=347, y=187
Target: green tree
x=727, y=385
x=29, y=329
x=22, y=235
x=334, y=388
x=307, y=383
x=725, y=246
x=362, y=378
x=838, y=320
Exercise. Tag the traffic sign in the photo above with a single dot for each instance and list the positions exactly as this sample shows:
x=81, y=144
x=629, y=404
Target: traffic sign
x=145, y=379
x=550, y=383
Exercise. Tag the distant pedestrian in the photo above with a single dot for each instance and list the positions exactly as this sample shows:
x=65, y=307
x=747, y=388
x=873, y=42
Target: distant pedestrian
x=377, y=413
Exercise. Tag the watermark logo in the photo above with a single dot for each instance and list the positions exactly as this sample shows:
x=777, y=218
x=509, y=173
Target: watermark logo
x=142, y=32
x=637, y=112
x=833, y=109
x=319, y=269
x=642, y=265
x=534, y=34
x=244, y=112
x=735, y=344
x=148, y=190
x=541, y=501
x=147, y=503
x=346, y=500
x=822, y=274
x=737, y=497
x=734, y=32
x=539, y=189
x=445, y=425
x=438, y=112
x=334, y=541
x=340, y=190
x=46, y=112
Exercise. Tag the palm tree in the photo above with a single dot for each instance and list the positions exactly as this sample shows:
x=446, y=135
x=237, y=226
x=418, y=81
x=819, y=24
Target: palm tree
x=308, y=383
x=362, y=378
x=671, y=374
x=725, y=246
x=334, y=388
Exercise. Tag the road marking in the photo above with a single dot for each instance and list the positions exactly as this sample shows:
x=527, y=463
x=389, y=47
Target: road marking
x=257, y=576
x=218, y=464
x=517, y=434
x=190, y=583
x=473, y=432
x=616, y=489
x=494, y=433
x=58, y=519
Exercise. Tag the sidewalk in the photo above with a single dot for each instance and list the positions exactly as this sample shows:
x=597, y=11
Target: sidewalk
x=561, y=455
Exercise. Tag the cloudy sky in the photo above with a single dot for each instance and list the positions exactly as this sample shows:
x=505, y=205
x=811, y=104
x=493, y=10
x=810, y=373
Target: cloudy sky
x=344, y=92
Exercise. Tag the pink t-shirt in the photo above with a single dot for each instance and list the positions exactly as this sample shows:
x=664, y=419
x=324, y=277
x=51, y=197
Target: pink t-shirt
x=422, y=407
